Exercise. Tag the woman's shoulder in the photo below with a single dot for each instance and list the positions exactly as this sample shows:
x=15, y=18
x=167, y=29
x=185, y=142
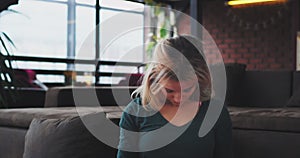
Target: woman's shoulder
x=136, y=108
x=133, y=106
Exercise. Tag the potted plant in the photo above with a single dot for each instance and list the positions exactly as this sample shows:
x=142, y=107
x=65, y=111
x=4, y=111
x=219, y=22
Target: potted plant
x=7, y=92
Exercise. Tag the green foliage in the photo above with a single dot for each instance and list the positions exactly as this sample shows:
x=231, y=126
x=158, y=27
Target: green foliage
x=159, y=15
x=163, y=31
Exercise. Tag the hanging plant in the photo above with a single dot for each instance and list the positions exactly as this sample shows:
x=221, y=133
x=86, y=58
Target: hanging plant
x=161, y=23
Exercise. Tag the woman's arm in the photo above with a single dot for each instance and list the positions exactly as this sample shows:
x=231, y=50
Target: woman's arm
x=128, y=123
x=223, y=136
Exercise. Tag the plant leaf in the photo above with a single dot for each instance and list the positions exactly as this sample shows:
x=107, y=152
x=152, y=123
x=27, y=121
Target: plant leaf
x=8, y=39
x=3, y=44
x=163, y=32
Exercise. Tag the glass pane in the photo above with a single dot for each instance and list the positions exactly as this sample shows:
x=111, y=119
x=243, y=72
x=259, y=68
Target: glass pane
x=111, y=80
x=40, y=29
x=90, y=2
x=39, y=65
x=85, y=32
x=118, y=69
x=56, y=0
x=51, y=78
x=122, y=4
x=121, y=41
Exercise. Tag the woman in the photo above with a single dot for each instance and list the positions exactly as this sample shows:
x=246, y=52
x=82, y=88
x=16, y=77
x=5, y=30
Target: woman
x=165, y=117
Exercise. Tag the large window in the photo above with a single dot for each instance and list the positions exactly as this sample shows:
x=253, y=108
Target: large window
x=121, y=36
x=59, y=28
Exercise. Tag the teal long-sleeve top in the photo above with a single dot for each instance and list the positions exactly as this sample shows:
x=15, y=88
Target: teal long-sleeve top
x=216, y=144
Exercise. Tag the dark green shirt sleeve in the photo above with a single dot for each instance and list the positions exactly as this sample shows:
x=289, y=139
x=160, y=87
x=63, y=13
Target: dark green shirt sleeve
x=127, y=122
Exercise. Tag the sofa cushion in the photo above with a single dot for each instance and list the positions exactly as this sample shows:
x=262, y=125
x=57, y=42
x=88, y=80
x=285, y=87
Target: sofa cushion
x=266, y=89
x=12, y=142
x=294, y=101
x=265, y=144
x=62, y=138
x=274, y=119
x=295, y=98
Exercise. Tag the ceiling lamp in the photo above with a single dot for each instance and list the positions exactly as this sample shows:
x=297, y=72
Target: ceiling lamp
x=253, y=2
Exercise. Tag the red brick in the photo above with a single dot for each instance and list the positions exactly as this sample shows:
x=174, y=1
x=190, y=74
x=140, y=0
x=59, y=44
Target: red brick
x=235, y=45
x=282, y=60
x=269, y=60
x=255, y=50
x=245, y=61
x=222, y=35
x=262, y=48
x=229, y=61
x=249, y=45
x=276, y=66
x=229, y=41
x=219, y=41
x=261, y=66
x=223, y=46
x=250, y=67
x=256, y=61
x=235, y=56
x=261, y=55
x=248, y=55
x=235, y=35
x=244, y=50
x=225, y=56
x=215, y=31
x=229, y=51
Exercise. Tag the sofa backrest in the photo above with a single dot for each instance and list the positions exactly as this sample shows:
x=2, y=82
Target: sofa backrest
x=265, y=89
x=88, y=96
x=234, y=76
x=26, y=98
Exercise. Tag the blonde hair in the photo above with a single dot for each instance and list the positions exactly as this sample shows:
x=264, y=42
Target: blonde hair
x=177, y=58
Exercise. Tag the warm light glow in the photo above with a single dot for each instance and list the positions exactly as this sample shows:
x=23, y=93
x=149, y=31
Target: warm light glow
x=241, y=2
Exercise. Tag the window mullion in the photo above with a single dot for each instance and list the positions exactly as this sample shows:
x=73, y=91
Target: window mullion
x=71, y=32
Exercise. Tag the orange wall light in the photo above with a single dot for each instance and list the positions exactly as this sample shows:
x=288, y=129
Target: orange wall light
x=253, y=2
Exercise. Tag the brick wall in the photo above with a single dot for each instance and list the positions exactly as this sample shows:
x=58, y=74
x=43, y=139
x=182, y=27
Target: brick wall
x=260, y=37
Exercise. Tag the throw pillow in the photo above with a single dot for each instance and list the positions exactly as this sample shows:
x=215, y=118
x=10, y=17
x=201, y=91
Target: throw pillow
x=62, y=138
x=294, y=101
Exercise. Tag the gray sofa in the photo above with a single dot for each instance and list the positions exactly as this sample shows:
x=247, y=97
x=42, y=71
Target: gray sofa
x=264, y=108
x=265, y=113
x=52, y=132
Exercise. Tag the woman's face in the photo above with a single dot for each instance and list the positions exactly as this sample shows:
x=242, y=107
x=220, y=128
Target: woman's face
x=177, y=92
